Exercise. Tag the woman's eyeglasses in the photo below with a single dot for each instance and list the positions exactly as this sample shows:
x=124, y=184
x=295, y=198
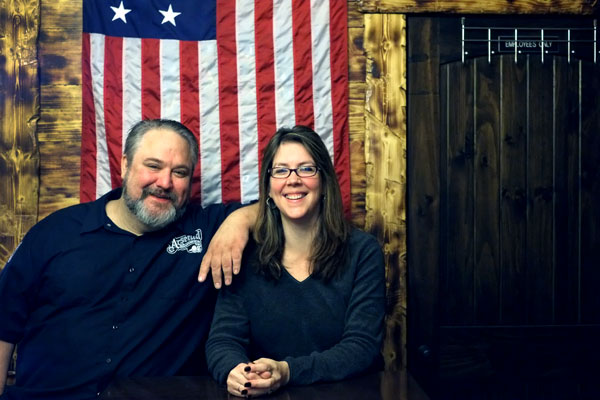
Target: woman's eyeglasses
x=305, y=171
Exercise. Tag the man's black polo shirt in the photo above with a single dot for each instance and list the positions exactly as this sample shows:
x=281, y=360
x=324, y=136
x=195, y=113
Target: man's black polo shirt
x=87, y=301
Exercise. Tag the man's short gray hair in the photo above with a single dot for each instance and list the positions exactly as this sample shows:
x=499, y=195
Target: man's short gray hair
x=137, y=132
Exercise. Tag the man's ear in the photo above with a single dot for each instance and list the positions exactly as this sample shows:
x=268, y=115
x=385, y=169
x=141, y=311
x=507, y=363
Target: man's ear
x=123, y=166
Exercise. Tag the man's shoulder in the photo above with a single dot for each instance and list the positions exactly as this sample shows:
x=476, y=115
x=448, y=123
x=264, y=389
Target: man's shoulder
x=52, y=231
x=80, y=210
x=68, y=215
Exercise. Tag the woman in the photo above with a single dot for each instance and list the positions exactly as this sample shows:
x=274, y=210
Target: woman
x=309, y=304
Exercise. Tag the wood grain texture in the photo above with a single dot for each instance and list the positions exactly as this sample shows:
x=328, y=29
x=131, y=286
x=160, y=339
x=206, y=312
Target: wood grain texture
x=59, y=130
x=540, y=175
x=581, y=7
x=356, y=109
x=513, y=181
x=519, y=188
x=567, y=154
x=457, y=131
x=486, y=176
x=423, y=198
x=385, y=157
x=19, y=113
x=590, y=192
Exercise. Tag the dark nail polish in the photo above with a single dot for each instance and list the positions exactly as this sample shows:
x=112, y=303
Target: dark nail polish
x=247, y=384
x=247, y=369
x=244, y=392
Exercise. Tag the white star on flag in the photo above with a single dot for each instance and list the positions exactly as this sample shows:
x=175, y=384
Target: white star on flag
x=169, y=15
x=120, y=12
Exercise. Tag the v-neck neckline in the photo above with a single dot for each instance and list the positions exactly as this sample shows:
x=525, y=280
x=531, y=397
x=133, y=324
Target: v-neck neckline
x=294, y=278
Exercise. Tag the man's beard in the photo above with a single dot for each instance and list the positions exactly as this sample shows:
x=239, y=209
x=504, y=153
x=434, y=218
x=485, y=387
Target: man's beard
x=157, y=220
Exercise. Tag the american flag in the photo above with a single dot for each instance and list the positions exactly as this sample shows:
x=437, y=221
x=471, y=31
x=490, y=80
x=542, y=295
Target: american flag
x=233, y=71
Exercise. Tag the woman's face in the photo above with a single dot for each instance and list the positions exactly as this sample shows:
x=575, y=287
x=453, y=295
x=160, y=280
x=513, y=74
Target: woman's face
x=298, y=199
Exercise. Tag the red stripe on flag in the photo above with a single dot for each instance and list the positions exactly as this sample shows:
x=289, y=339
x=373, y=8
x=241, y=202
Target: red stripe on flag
x=87, y=189
x=339, y=96
x=303, y=89
x=150, y=78
x=265, y=74
x=190, y=99
x=113, y=105
x=228, y=101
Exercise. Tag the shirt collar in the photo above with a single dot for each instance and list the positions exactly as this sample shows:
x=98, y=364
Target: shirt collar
x=96, y=216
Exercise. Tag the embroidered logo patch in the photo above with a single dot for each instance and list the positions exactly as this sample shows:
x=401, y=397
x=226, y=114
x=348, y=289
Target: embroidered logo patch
x=189, y=243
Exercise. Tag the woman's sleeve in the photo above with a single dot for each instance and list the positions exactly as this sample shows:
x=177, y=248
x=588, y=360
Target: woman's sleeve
x=228, y=337
x=360, y=346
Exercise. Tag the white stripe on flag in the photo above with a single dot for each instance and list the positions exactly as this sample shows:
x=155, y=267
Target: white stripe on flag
x=170, y=93
x=323, y=109
x=210, y=138
x=132, y=84
x=284, y=63
x=248, y=125
x=103, y=184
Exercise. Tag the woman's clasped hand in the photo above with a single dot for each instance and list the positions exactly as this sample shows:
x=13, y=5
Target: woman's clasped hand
x=257, y=378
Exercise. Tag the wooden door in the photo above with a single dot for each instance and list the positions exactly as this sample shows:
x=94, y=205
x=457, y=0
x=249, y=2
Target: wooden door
x=504, y=217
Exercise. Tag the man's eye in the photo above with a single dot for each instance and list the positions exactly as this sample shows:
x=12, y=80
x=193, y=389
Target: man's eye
x=180, y=174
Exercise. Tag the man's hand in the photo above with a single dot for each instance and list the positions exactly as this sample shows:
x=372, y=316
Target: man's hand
x=6, y=350
x=224, y=254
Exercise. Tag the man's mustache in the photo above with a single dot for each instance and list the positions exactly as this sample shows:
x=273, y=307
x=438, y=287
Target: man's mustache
x=165, y=194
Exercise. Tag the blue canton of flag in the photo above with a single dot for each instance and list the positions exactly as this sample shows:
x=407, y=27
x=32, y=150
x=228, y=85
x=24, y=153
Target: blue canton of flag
x=192, y=20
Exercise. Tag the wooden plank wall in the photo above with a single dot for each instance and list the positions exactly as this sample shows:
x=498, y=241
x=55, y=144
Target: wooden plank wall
x=40, y=113
x=581, y=7
x=385, y=158
x=19, y=114
x=378, y=145
x=59, y=129
x=357, y=62
x=423, y=200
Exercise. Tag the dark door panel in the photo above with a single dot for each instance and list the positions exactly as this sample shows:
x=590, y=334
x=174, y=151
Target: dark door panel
x=503, y=221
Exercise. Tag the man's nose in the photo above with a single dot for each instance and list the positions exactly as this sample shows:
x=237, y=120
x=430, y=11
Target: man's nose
x=164, y=179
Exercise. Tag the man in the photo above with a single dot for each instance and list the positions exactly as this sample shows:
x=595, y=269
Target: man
x=109, y=288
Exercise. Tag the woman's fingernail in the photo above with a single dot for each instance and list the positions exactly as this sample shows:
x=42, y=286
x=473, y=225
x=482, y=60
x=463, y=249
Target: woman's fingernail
x=244, y=392
x=247, y=384
x=247, y=369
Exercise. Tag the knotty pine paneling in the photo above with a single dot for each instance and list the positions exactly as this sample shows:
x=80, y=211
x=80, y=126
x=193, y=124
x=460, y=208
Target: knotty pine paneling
x=356, y=109
x=385, y=158
x=59, y=128
x=581, y=7
x=19, y=113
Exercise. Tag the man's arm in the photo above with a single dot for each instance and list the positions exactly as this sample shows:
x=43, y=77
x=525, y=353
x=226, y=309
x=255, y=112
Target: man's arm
x=6, y=350
x=224, y=253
